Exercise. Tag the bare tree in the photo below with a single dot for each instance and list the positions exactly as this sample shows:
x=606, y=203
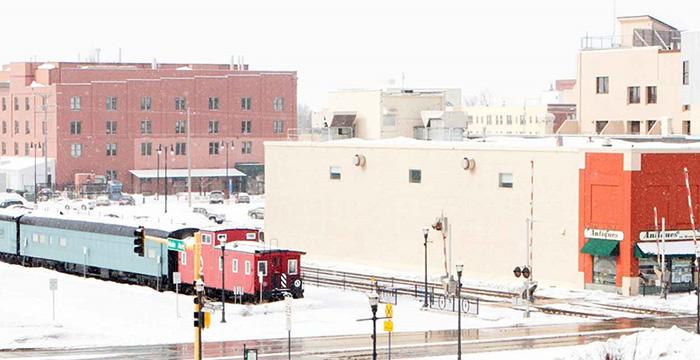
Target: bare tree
x=303, y=116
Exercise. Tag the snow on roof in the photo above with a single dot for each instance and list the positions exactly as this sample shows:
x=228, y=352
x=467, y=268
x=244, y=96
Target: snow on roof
x=36, y=84
x=570, y=143
x=46, y=66
x=20, y=162
x=670, y=248
x=252, y=247
x=187, y=68
x=182, y=173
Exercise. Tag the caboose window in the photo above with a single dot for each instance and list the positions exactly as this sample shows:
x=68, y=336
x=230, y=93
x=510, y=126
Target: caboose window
x=262, y=268
x=292, y=266
x=247, y=267
x=234, y=265
x=206, y=238
x=183, y=258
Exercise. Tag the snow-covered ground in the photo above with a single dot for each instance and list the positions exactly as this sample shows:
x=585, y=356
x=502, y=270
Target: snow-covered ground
x=91, y=312
x=671, y=344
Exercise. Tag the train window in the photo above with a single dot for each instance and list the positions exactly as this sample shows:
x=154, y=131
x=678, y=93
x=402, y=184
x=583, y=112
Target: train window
x=50, y=240
x=292, y=266
x=35, y=237
x=247, y=267
x=235, y=265
x=62, y=241
x=206, y=239
x=262, y=268
x=183, y=258
x=221, y=264
x=151, y=254
x=42, y=239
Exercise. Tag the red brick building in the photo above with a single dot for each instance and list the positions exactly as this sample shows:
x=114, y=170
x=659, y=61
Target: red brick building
x=110, y=119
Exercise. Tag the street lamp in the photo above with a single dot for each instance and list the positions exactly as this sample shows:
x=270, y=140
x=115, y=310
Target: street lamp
x=34, y=146
x=425, y=246
x=225, y=146
x=157, y=171
x=172, y=152
x=459, y=311
x=222, y=243
x=373, y=303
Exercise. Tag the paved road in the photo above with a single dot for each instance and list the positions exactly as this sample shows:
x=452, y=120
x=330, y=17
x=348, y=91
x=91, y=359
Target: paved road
x=404, y=345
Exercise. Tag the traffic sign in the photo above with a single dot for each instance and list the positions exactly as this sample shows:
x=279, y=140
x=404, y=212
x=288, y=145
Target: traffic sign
x=288, y=312
x=389, y=311
x=388, y=325
x=176, y=245
x=177, y=278
x=53, y=284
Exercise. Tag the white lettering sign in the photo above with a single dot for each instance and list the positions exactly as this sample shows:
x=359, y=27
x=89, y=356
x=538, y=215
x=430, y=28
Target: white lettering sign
x=670, y=235
x=604, y=234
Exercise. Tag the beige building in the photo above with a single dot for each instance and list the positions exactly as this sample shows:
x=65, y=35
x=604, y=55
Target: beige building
x=631, y=83
x=509, y=120
x=373, y=213
x=381, y=114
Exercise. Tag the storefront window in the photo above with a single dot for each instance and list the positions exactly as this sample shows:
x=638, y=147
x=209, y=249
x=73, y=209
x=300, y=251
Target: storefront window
x=604, y=270
x=681, y=270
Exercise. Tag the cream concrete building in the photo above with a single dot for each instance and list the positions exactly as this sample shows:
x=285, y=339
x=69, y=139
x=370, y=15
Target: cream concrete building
x=631, y=83
x=509, y=120
x=381, y=114
x=373, y=214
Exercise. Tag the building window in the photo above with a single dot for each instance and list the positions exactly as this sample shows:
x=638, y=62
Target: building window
x=234, y=265
x=180, y=103
x=247, y=147
x=634, y=127
x=488, y=119
x=16, y=101
x=213, y=103
x=26, y=149
x=509, y=120
x=16, y=127
x=146, y=103
x=16, y=148
x=262, y=268
x=111, y=127
x=76, y=150
x=111, y=149
x=43, y=127
x=4, y=127
x=111, y=175
x=651, y=94
x=183, y=258
x=4, y=104
x=213, y=148
x=4, y=148
x=246, y=126
x=278, y=104
x=335, y=172
x=292, y=266
x=600, y=126
x=633, y=95
x=27, y=128
x=111, y=103
x=75, y=127
x=146, y=149
x=505, y=180
x=213, y=126
x=278, y=126
x=686, y=127
x=414, y=176
x=246, y=103
x=146, y=127
x=180, y=148
x=180, y=127
x=686, y=72
x=604, y=269
x=650, y=125
x=26, y=103
x=601, y=85
x=75, y=103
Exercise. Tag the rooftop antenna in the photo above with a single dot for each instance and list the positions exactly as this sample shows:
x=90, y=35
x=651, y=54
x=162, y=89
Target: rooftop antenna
x=614, y=14
x=120, y=55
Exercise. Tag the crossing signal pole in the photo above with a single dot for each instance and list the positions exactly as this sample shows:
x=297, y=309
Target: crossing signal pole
x=140, y=241
x=199, y=286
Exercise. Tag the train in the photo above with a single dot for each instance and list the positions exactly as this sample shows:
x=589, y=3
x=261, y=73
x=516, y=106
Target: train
x=105, y=250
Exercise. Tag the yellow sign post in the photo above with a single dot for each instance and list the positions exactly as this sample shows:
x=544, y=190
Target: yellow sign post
x=388, y=323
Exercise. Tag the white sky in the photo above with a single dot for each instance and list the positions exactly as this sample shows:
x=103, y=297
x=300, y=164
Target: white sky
x=512, y=48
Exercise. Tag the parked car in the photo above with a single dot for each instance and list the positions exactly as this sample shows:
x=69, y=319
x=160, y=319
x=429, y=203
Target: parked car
x=80, y=204
x=217, y=218
x=7, y=203
x=242, y=198
x=103, y=200
x=216, y=197
x=46, y=194
x=127, y=200
x=257, y=213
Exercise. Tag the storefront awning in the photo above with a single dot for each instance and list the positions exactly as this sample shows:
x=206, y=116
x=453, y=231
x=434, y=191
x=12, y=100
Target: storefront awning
x=599, y=247
x=672, y=249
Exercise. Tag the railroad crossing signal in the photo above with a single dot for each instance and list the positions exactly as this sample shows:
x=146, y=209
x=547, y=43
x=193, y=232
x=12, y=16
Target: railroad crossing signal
x=388, y=325
x=140, y=241
x=389, y=311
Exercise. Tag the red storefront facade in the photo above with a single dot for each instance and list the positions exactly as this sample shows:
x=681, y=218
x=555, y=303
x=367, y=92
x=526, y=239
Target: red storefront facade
x=618, y=192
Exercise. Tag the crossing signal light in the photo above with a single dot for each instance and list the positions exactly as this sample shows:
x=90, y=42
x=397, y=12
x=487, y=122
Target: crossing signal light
x=140, y=241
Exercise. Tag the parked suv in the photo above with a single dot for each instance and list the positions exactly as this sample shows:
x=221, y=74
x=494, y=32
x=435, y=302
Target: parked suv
x=242, y=198
x=216, y=197
x=217, y=218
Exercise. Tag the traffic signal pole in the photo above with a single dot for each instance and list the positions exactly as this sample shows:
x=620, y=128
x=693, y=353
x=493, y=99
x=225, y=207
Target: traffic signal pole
x=198, y=303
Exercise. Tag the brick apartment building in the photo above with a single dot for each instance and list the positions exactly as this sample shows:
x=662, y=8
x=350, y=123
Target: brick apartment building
x=110, y=119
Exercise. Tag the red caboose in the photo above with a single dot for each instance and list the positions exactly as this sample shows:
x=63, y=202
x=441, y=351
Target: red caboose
x=246, y=261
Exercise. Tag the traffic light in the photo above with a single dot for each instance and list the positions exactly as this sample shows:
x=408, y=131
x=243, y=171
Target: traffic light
x=140, y=241
x=198, y=319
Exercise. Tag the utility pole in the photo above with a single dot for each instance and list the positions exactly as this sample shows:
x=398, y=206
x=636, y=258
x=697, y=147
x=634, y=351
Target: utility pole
x=697, y=249
x=45, y=130
x=189, y=161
